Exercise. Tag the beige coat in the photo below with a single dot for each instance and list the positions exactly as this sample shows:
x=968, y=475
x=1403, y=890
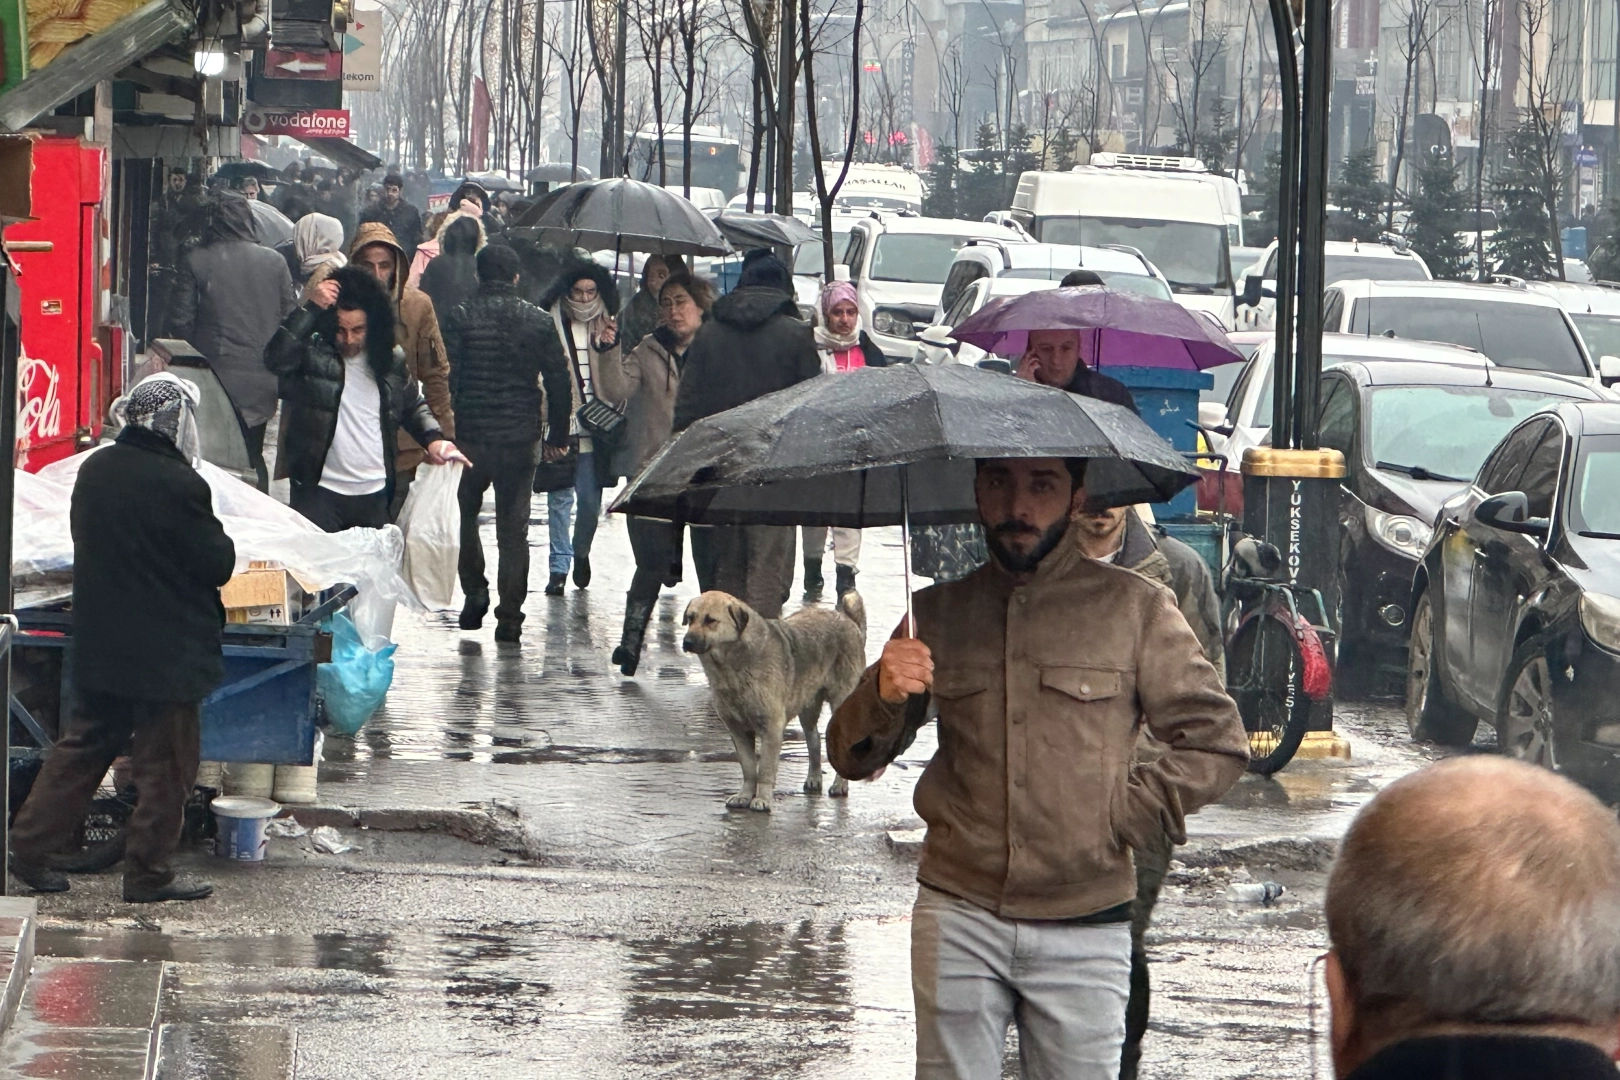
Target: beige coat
x=645, y=383
x=1033, y=800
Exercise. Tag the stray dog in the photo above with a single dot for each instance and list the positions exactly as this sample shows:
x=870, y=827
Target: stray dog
x=763, y=672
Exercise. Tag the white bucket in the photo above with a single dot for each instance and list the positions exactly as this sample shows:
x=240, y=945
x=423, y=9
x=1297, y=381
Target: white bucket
x=241, y=826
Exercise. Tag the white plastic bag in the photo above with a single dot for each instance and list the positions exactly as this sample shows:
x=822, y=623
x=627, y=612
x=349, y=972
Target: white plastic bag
x=431, y=521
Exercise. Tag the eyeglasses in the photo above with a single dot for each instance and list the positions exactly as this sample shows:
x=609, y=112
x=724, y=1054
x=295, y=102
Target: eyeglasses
x=582, y=294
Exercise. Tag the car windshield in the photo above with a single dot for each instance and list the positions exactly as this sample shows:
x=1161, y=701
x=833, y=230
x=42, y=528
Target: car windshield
x=1594, y=502
x=808, y=259
x=1114, y=279
x=1447, y=430
x=1600, y=332
x=1340, y=267
x=1192, y=256
x=919, y=258
x=1513, y=335
x=1226, y=377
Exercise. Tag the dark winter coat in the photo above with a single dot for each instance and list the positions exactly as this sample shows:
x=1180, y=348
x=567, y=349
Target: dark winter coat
x=754, y=344
x=149, y=557
x=1094, y=384
x=1508, y=1056
x=637, y=319
x=229, y=300
x=500, y=348
x=451, y=279
x=404, y=221
x=304, y=357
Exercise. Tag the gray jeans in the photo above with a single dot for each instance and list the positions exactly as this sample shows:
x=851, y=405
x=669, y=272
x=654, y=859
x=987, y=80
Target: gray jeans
x=974, y=972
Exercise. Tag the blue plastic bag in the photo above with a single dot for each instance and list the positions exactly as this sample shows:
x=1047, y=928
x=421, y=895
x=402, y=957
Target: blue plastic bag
x=354, y=684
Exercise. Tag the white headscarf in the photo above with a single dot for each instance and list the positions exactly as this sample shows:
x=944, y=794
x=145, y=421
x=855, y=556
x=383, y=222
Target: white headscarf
x=318, y=241
x=166, y=405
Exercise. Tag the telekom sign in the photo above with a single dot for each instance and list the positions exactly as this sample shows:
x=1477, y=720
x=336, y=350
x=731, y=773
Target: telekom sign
x=321, y=123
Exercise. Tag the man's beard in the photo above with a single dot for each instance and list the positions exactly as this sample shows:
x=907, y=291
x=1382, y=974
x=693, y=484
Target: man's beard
x=1015, y=562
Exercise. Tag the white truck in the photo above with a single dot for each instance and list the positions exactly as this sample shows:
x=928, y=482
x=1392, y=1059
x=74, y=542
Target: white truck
x=1176, y=218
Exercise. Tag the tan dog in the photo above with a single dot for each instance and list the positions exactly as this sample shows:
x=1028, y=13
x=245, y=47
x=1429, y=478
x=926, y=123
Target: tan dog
x=763, y=672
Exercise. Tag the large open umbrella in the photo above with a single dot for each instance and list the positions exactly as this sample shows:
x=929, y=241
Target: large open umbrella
x=746, y=230
x=625, y=215
x=893, y=446
x=272, y=226
x=1117, y=328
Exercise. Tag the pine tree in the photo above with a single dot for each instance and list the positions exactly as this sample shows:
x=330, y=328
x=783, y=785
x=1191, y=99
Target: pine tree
x=1437, y=219
x=943, y=177
x=1214, y=144
x=1522, y=244
x=1268, y=186
x=979, y=187
x=1065, y=150
x=1359, y=195
x=1603, y=244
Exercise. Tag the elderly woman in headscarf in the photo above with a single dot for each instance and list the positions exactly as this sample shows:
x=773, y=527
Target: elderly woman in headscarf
x=149, y=557
x=843, y=346
x=318, y=243
x=581, y=304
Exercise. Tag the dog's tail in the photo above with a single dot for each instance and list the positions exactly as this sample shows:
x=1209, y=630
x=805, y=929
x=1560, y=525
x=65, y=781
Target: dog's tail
x=852, y=607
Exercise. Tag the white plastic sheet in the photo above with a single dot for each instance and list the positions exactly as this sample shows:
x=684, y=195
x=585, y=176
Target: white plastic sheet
x=261, y=528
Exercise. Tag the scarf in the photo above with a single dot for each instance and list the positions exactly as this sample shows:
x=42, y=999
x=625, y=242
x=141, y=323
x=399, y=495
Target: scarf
x=593, y=314
x=836, y=293
x=831, y=342
x=318, y=241
x=165, y=405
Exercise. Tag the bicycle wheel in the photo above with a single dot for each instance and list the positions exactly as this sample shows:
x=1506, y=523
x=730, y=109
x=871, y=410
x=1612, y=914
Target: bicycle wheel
x=1265, y=675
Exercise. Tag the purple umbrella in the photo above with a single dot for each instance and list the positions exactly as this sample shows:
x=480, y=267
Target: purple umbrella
x=1117, y=329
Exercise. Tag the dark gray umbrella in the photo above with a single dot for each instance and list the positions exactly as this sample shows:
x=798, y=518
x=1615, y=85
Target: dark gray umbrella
x=558, y=173
x=626, y=215
x=746, y=230
x=893, y=446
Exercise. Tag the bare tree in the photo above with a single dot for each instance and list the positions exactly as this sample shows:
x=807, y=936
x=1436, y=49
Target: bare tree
x=566, y=40
x=693, y=30
x=1200, y=60
x=826, y=193
x=1486, y=50
x=1424, y=20
x=953, y=88
x=1550, y=81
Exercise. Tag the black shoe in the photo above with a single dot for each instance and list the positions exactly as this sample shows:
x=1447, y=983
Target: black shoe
x=472, y=615
x=554, y=587
x=628, y=654
x=38, y=878
x=91, y=860
x=846, y=580
x=813, y=581
x=582, y=571
x=508, y=631
x=181, y=888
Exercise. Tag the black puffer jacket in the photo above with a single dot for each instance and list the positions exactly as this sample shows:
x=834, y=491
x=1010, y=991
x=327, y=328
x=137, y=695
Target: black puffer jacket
x=500, y=347
x=753, y=344
x=305, y=360
x=452, y=277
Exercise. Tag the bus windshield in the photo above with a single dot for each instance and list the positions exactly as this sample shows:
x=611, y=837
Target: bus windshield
x=1191, y=255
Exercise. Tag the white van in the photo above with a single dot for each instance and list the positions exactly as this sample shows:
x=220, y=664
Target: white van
x=1226, y=189
x=1174, y=219
x=888, y=188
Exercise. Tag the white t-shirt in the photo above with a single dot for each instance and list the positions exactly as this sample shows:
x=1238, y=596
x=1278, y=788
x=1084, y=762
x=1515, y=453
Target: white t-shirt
x=355, y=464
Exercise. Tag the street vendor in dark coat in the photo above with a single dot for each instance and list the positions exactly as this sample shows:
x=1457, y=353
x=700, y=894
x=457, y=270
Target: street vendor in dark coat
x=149, y=557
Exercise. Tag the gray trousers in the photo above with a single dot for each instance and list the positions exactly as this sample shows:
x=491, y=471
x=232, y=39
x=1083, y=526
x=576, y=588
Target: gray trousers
x=974, y=972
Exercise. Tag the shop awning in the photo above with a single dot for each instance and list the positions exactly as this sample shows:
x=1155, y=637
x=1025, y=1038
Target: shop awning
x=342, y=152
x=87, y=62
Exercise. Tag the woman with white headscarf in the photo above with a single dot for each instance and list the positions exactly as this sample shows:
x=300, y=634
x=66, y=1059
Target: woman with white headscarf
x=318, y=246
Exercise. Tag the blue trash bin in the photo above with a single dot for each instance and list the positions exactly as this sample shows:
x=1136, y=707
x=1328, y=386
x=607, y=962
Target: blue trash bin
x=1168, y=402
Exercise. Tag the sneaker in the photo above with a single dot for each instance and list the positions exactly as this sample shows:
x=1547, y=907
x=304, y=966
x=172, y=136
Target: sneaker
x=181, y=888
x=582, y=571
x=38, y=878
x=472, y=615
x=554, y=587
x=846, y=580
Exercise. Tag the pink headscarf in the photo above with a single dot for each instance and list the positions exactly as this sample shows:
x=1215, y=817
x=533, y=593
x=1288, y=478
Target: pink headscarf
x=835, y=293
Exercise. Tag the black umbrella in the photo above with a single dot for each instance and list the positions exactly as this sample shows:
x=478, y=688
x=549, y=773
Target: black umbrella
x=558, y=173
x=893, y=446
x=746, y=230
x=626, y=215
x=236, y=170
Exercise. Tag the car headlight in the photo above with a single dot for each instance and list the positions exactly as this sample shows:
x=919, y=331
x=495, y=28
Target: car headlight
x=893, y=322
x=1600, y=618
x=1400, y=533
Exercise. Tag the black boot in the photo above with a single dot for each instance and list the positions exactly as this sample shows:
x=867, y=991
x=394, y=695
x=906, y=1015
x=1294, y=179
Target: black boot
x=813, y=581
x=582, y=571
x=181, y=887
x=554, y=587
x=509, y=631
x=38, y=878
x=636, y=614
x=846, y=580
x=477, y=606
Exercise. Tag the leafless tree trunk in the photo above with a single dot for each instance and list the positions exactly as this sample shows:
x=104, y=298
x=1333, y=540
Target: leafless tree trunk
x=825, y=194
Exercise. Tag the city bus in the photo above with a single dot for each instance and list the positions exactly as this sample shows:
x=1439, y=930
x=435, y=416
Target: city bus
x=716, y=160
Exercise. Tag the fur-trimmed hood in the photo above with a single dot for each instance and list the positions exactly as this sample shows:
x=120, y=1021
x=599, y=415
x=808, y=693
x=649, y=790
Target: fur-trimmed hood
x=360, y=285
x=572, y=273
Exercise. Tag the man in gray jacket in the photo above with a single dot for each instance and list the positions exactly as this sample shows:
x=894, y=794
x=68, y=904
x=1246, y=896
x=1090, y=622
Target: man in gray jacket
x=231, y=296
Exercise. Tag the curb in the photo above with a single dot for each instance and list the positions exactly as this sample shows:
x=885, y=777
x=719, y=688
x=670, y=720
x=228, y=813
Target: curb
x=493, y=824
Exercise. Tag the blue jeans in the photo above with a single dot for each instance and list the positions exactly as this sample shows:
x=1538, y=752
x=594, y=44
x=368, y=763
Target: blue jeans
x=584, y=502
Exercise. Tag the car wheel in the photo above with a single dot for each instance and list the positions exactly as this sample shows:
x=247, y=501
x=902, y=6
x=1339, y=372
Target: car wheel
x=1524, y=723
x=1430, y=716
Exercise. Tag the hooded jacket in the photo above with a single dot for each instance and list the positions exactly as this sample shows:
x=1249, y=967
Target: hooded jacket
x=403, y=220
x=754, y=344
x=231, y=296
x=452, y=278
x=305, y=359
x=417, y=331
x=428, y=250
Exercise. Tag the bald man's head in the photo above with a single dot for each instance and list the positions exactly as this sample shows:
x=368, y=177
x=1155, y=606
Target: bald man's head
x=1478, y=893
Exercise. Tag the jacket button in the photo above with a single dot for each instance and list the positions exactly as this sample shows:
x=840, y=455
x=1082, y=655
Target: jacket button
x=1085, y=688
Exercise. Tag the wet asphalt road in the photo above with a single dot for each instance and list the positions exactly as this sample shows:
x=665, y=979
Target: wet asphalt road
x=639, y=928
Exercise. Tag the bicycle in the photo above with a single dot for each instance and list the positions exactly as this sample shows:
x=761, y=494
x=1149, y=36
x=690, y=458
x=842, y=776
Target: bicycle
x=1277, y=660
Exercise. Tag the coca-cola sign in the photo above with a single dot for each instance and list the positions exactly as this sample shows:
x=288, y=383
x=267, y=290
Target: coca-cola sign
x=320, y=123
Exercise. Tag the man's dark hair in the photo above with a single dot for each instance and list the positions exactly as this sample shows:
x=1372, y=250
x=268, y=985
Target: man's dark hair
x=1075, y=465
x=359, y=290
x=497, y=262
x=1080, y=277
x=762, y=269
x=395, y=179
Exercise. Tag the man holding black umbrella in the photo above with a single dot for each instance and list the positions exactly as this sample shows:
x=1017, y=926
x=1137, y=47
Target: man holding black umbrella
x=1035, y=798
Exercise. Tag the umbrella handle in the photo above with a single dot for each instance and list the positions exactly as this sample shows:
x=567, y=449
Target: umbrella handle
x=905, y=548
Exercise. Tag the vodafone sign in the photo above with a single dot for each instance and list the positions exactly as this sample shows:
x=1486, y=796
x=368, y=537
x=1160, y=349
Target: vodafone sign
x=319, y=123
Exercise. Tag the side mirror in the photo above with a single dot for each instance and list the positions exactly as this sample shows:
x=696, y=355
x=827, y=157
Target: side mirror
x=1211, y=415
x=1609, y=369
x=1510, y=512
x=840, y=271
x=1250, y=296
x=996, y=364
x=938, y=336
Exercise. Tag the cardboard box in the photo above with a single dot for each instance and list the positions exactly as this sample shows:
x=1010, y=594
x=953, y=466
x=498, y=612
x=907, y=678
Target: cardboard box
x=264, y=594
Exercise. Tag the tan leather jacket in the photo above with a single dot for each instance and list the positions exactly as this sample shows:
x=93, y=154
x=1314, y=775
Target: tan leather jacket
x=1033, y=800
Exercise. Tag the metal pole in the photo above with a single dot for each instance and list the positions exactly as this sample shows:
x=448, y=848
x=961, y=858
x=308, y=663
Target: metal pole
x=1282, y=370
x=10, y=348
x=1312, y=220
x=905, y=545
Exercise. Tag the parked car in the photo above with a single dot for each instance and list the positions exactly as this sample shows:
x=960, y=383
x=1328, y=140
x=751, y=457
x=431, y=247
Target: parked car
x=1514, y=326
x=1257, y=301
x=1516, y=617
x=1119, y=267
x=1595, y=311
x=1412, y=435
x=935, y=344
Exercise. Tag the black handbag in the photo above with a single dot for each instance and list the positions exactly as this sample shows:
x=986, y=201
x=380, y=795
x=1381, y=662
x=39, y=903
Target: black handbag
x=600, y=419
x=556, y=475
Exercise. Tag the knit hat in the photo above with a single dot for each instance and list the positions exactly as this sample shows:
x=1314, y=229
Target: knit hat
x=762, y=269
